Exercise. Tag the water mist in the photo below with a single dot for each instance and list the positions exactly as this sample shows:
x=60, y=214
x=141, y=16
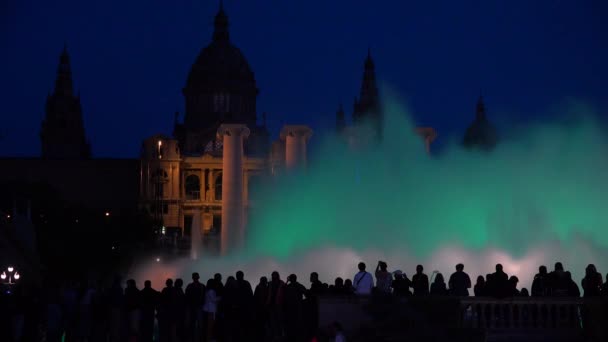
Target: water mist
x=538, y=198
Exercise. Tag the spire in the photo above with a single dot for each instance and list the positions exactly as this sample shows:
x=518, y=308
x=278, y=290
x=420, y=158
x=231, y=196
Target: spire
x=369, y=62
x=340, y=122
x=63, y=82
x=221, y=25
x=481, y=109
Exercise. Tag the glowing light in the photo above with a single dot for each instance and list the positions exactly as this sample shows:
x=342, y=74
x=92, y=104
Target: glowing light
x=107, y=213
x=17, y=276
x=162, y=230
x=10, y=269
x=3, y=275
x=8, y=216
x=113, y=248
x=157, y=259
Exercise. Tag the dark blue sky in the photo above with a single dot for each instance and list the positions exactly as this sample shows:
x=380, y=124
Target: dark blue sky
x=130, y=60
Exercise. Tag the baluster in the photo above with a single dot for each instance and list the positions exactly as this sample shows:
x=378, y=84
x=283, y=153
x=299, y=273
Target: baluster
x=482, y=315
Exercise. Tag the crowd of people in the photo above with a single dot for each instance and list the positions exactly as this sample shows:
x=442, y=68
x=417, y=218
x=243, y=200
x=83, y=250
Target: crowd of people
x=233, y=310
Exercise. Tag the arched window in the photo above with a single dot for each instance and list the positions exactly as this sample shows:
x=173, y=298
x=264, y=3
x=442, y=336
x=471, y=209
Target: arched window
x=193, y=187
x=218, y=188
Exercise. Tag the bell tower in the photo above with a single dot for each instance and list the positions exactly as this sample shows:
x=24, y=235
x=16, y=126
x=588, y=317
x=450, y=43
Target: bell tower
x=62, y=134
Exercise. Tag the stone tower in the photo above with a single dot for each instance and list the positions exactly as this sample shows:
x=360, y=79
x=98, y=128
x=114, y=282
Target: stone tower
x=62, y=134
x=481, y=134
x=367, y=108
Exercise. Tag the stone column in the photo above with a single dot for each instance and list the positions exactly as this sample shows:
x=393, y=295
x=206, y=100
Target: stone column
x=233, y=230
x=295, y=137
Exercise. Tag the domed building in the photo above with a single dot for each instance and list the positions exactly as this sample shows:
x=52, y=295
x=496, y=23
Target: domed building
x=197, y=183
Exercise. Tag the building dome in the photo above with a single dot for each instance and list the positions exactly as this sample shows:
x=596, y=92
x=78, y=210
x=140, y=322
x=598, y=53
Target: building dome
x=220, y=88
x=220, y=64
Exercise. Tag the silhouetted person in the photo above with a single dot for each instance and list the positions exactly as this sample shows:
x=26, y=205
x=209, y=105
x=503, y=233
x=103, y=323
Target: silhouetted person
x=420, y=282
x=438, y=287
x=316, y=286
x=573, y=290
x=348, y=287
x=244, y=305
x=459, y=282
x=524, y=292
x=401, y=285
x=512, y=287
x=166, y=319
x=275, y=305
x=219, y=289
x=592, y=283
x=490, y=286
x=149, y=302
x=480, y=287
x=210, y=308
x=338, y=332
x=384, y=278
x=195, y=297
x=229, y=308
x=541, y=285
x=500, y=283
x=560, y=285
x=338, y=287
x=116, y=303
x=293, y=305
x=260, y=297
x=132, y=305
x=179, y=309
x=363, y=282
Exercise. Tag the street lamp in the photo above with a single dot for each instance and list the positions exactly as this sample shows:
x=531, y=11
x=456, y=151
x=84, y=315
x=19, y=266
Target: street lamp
x=12, y=275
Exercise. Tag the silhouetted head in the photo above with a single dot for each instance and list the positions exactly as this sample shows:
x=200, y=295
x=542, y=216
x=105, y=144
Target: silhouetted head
x=481, y=280
x=514, y=280
x=439, y=278
x=292, y=278
x=498, y=268
x=275, y=276
x=524, y=292
x=590, y=270
x=398, y=274
x=195, y=276
x=131, y=283
x=179, y=282
x=361, y=266
x=147, y=284
x=559, y=266
x=218, y=278
x=419, y=269
x=383, y=266
x=211, y=284
x=348, y=284
x=568, y=275
x=169, y=282
x=314, y=277
x=542, y=269
x=339, y=282
x=240, y=275
x=230, y=281
x=459, y=267
x=263, y=281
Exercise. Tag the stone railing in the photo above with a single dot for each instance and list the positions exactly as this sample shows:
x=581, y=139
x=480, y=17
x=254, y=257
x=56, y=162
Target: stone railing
x=558, y=319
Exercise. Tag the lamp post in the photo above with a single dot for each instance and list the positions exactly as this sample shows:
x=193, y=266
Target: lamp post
x=12, y=275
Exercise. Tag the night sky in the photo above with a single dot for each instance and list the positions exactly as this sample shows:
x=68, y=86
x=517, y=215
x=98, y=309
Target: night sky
x=130, y=60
